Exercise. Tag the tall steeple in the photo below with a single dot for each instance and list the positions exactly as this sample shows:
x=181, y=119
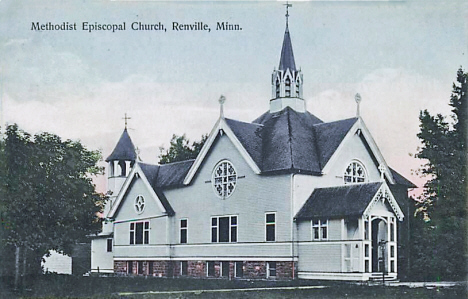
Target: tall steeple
x=287, y=80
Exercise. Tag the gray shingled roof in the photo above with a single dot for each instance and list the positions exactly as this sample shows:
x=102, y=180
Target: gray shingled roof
x=337, y=202
x=401, y=180
x=124, y=150
x=287, y=55
x=166, y=176
x=290, y=141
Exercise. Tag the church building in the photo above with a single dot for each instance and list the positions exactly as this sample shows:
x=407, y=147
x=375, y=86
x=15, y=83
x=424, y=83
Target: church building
x=282, y=197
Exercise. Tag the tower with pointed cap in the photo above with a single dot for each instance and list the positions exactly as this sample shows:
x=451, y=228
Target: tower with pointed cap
x=287, y=80
x=120, y=162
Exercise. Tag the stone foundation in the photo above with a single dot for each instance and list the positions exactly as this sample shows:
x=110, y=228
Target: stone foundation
x=199, y=269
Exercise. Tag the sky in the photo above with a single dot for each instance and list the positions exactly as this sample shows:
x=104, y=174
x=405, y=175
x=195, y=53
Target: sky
x=400, y=56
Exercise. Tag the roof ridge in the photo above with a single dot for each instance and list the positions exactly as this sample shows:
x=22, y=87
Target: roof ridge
x=177, y=162
x=244, y=122
x=335, y=121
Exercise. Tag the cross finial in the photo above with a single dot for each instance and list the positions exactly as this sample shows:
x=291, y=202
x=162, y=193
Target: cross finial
x=126, y=118
x=357, y=97
x=287, y=11
x=221, y=101
x=382, y=171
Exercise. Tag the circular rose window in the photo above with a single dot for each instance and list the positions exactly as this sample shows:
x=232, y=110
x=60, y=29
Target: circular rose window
x=224, y=179
x=139, y=204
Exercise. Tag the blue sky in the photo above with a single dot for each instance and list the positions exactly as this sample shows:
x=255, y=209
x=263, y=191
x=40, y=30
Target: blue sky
x=400, y=56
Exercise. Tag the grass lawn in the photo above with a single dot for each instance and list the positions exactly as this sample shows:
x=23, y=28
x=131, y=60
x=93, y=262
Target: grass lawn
x=63, y=286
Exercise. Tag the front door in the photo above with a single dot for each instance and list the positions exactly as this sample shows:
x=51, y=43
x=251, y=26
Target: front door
x=379, y=245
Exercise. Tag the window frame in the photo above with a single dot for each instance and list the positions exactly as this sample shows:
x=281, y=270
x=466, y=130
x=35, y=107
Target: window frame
x=269, y=225
x=353, y=177
x=233, y=229
x=319, y=226
x=184, y=266
x=145, y=233
x=270, y=269
x=238, y=266
x=110, y=244
x=183, y=231
x=210, y=265
x=224, y=184
x=139, y=206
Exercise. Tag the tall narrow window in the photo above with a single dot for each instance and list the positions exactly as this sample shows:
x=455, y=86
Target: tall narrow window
x=183, y=231
x=277, y=88
x=132, y=233
x=210, y=268
x=270, y=222
x=109, y=245
x=239, y=269
x=271, y=271
x=140, y=267
x=184, y=268
x=297, y=88
x=129, y=267
x=225, y=269
x=287, y=87
x=224, y=229
x=150, y=268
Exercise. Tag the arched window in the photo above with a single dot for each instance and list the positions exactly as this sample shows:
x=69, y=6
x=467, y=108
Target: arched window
x=355, y=173
x=287, y=87
x=277, y=87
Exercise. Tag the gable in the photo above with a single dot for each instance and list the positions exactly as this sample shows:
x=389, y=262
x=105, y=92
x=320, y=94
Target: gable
x=138, y=184
x=354, y=200
x=127, y=205
x=358, y=131
x=221, y=128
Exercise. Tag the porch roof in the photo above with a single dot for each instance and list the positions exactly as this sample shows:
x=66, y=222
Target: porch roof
x=338, y=202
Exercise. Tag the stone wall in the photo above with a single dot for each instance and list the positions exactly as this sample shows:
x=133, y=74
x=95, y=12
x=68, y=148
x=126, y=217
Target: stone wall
x=251, y=269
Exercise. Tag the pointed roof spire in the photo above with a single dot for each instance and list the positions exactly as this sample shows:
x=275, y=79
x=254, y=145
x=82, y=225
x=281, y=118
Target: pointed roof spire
x=287, y=55
x=124, y=150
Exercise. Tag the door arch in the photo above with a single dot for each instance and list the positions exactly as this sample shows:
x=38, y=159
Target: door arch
x=379, y=234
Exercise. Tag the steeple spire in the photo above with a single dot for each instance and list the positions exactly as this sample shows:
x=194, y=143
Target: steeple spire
x=287, y=80
x=287, y=55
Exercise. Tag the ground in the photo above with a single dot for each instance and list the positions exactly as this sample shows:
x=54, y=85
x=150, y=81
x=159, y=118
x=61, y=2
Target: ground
x=64, y=286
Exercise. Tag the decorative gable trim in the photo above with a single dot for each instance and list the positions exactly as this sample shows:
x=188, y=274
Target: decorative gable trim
x=360, y=128
x=383, y=194
x=135, y=174
x=221, y=127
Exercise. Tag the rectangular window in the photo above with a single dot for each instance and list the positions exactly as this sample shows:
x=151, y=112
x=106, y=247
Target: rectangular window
x=239, y=269
x=392, y=229
x=224, y=269
x=366, y=266
x=184, y=268
x=139, y=232
x=224, y=229
x=366, y=250
x=150, y=268
x=319, y=229
x=366, y=230
x=109, y=245
x=140, y=267
x=130, y=267
x=270, y=223
x=210, y=268
x=183, y=231
x=392, y=251
x=392, y=266
x=271, y=269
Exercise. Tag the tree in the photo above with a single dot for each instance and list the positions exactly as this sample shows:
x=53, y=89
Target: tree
x=180, y=149
x=48, y=195
x=442, y=238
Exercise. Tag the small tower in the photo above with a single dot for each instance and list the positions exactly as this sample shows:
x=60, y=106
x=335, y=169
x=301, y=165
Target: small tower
x=287, y=80
x=120, y=162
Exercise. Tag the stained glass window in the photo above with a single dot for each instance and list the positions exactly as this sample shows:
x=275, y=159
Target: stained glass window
x=354, y=173
x=224, y=179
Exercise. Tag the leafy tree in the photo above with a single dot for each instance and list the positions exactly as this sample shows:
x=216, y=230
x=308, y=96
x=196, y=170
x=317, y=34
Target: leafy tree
x=47, y=193
x=181, y=149
x=440, y=246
